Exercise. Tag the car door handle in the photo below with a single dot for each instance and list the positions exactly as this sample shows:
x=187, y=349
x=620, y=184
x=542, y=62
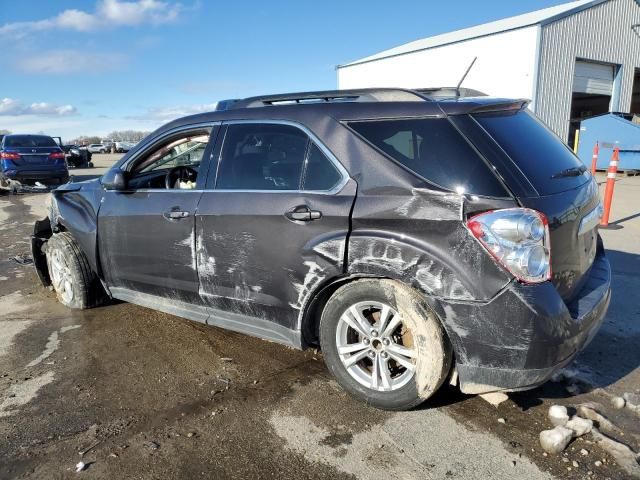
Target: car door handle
x=175, y=214
x=303, y=214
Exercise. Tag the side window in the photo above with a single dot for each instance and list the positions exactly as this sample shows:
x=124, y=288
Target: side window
x=173, y=161
x=184, y=151
x=320, y=173
x=434, y=150
x=262, y=156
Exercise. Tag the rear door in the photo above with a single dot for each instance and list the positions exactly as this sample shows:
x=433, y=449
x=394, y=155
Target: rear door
x=272, y=225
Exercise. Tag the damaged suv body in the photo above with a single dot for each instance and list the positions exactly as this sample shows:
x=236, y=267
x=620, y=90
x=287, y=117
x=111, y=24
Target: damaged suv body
x=414, y=238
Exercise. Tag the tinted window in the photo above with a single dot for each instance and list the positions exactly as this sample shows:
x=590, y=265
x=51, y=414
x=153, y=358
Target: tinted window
x=535, y=149
x=320, y=173
x=17, y=141
x=433, y=149
x=262, y=157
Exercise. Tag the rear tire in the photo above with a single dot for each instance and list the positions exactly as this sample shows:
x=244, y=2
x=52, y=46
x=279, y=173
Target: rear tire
x=401, y=360
x=75, y=283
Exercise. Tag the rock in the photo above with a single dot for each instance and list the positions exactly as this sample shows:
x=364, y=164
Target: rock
x=584, y=452
x=580, y=426
x=80, y=466
x=588, y=411
x=618, y=402
x=152, y=445
x=555, y=440
x=624, y=456
x=597, y=463
x=558, y=415
x=502, y=420
x=575, y=464
x=495, y=398
x=632, y=398
x=191, y=434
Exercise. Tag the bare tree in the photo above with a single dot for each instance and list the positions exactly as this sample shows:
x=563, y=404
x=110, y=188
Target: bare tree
x=85, y=140
x=127, y=135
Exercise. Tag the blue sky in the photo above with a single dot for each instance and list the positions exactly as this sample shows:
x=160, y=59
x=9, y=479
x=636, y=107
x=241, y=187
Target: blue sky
x=90, y=67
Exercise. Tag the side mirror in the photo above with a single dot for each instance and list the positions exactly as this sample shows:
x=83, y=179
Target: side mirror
x=115, y=180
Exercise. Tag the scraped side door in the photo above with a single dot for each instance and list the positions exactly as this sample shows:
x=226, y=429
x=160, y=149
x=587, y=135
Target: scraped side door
x=272, y=226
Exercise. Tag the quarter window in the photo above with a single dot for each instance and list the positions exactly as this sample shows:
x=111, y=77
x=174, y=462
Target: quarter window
x=320, y=173
x=434, y=150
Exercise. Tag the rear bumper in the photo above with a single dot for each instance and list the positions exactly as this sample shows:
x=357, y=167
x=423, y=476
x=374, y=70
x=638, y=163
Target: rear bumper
x=27, y=175
x=526, y=333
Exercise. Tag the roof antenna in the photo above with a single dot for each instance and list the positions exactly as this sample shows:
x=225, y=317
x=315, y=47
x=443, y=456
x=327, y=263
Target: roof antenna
x=465, y=76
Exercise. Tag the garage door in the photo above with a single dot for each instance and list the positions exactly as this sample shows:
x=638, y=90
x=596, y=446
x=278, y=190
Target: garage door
x=594, y=78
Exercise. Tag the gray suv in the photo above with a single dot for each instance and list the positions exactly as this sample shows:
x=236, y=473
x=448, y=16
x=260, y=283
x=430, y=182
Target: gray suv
x=416, y=237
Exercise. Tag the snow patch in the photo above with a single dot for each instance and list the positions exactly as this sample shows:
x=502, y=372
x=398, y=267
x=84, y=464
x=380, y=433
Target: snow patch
x=22, y=393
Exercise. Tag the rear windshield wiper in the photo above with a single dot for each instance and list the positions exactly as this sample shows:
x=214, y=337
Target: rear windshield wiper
x=570, y=172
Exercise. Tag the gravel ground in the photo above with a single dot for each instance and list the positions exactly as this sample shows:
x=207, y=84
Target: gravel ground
x=147, y=395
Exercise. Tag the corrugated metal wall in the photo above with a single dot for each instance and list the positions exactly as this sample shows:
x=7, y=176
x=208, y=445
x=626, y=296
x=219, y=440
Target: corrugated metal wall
x=602, y=33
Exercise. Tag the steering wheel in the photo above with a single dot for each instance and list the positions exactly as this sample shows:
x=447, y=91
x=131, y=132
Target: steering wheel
x=179, y=173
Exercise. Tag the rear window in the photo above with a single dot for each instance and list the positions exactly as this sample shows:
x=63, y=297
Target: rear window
x=18, y=141
x=538, y=152
x=434, y=150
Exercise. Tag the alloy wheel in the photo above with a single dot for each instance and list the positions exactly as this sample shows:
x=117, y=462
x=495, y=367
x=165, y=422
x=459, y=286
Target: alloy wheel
x=61, y=276
x=375, y=346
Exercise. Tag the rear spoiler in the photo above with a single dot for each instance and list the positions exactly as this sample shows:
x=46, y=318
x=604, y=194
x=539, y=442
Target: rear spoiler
x=501, y=106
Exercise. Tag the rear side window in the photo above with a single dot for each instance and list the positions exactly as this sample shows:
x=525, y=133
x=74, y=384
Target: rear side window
x=433, y=149
x=539, y=153
x=320, y=173
x=262, y=157
x=34, y=141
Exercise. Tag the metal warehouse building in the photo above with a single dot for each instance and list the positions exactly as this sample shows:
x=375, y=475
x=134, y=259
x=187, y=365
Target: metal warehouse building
x=573, y=61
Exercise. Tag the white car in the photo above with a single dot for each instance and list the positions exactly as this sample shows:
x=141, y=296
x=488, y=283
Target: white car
x=124, y=147
x=97, y=148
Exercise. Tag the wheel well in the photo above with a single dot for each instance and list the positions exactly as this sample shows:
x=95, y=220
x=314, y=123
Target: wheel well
x=314, y=308
x=313, y=312
x=42, y=232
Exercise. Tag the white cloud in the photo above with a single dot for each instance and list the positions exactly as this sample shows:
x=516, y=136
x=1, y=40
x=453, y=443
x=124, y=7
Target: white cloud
x=108, y=13
x=165, y=114
x=12, y=107
x=69, y=61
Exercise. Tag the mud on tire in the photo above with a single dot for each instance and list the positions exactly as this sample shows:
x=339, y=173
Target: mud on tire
x=75, y=283
x=412, y=349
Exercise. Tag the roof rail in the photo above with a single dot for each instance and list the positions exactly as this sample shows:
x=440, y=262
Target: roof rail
x=361, y=95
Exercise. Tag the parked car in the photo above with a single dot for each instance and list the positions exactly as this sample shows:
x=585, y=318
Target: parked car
x=97, y=148
x=29, y=158
x=77, y=156
x=123, y=147
x=409, y=236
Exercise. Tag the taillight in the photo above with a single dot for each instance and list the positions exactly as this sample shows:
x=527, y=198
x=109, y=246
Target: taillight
x=9, y=156
x=518, y=238
x=56, y=156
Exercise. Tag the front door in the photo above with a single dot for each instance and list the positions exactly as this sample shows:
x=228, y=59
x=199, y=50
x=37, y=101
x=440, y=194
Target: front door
x=146, y=233
x=277, y=200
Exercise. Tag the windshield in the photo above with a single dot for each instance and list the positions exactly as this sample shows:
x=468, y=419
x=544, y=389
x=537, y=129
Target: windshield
x=17, y=141
x=545, y=160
